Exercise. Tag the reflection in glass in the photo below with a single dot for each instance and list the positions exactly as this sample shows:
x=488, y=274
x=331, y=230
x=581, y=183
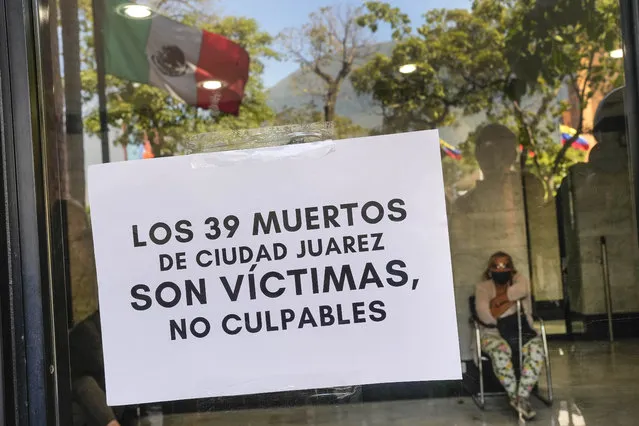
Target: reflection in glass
x=512, y=86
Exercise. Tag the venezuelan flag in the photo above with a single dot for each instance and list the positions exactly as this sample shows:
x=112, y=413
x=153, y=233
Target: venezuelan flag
x=567, y=133
x=450, y=150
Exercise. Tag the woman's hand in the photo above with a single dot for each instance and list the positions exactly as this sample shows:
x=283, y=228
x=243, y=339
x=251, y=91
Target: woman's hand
x=499, y=305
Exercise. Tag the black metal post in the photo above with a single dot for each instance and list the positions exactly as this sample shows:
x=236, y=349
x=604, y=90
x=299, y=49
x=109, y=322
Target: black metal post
x=24, y=292
x=98, y=40
x=524, y=193
x=630, y=31
x=605, y=271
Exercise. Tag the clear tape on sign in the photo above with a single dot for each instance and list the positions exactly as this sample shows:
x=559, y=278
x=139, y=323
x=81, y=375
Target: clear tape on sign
x=267, y=136
x=230, y=158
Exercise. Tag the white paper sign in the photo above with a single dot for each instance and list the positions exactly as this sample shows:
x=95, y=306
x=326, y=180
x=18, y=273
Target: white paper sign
x=287, y=268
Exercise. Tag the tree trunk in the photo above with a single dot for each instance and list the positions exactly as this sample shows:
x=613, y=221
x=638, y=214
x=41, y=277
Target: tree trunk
x=73, y=97
x=330, y=103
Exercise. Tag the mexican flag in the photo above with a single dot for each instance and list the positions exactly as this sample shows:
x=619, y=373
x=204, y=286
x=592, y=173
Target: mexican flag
x=198, y=67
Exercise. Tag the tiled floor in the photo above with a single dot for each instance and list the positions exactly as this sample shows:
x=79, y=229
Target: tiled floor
x=595, y=384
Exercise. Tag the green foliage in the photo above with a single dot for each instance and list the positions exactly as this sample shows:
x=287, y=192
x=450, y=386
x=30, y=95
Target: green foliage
x=383, y=12
x=459, y=66
x=563, y=44
x=142, y=109
x=509, y=58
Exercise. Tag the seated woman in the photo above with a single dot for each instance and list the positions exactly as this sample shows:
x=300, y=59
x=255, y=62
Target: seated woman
x=496, y=306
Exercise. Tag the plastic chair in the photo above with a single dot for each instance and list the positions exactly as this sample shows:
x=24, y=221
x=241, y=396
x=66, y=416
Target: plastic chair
x=482, y=358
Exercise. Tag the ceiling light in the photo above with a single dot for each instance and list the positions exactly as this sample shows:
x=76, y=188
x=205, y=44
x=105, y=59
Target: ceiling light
x=136, y=11
x=408, y=68
x=211, y=84
x=618, y=53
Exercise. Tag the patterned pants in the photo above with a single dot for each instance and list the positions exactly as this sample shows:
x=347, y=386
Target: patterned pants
x=501, y=356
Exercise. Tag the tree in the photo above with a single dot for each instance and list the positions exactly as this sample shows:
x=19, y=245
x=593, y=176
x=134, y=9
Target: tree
x=328, y=46
x=447, y=77
x=549, y=48
x=510, y=58
x=146, y=110
x=565, y=43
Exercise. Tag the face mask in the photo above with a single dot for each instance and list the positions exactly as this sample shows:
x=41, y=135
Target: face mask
x=501, y=277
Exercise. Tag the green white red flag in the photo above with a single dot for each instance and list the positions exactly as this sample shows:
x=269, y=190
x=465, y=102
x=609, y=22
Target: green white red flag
x=199, y=67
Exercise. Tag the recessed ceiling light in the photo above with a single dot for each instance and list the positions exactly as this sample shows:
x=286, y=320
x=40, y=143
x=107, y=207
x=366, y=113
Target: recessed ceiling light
x=618, y=53
x=211, y=84
x=136, y=11
x=408, y=68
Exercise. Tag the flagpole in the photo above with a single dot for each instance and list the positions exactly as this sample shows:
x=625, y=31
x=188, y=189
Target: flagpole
x=98, y=40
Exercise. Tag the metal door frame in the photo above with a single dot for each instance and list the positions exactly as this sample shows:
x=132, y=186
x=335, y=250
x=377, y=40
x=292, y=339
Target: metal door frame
x=27, y=351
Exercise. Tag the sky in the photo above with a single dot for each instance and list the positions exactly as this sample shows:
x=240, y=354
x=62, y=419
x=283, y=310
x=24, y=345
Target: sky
x=277, y=15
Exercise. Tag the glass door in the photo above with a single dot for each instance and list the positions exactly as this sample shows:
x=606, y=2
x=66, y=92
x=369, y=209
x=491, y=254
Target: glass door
x=535, y=156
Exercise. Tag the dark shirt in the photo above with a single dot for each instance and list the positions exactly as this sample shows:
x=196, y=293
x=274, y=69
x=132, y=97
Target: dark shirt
x=87, y=370
x=85, y=345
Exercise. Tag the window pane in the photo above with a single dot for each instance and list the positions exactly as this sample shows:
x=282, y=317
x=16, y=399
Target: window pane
x=528, y=100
